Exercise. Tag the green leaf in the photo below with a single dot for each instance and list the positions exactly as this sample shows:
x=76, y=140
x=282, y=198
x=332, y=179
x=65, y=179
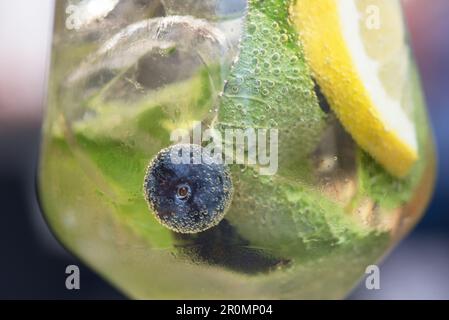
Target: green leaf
x=270, y=86
x=289, y=218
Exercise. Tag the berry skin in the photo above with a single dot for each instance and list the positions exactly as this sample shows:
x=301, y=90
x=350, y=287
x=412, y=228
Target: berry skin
x=191, y=196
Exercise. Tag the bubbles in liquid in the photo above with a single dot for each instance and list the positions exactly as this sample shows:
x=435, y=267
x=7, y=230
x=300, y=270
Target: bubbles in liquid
x=252, y=27
x=294, y=59
x=267, y=64
x=209, y=9
x=284, y=37
x=275, y=57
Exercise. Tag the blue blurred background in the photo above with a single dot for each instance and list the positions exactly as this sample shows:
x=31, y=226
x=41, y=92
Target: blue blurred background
x=32, y=262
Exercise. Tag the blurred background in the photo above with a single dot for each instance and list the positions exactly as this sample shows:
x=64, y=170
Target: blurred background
x=32, y=262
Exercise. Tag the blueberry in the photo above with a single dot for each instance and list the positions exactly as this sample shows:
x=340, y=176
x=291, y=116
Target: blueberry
x=187, y=196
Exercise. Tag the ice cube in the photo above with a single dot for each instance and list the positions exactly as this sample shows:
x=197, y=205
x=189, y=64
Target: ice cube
x=148, y=55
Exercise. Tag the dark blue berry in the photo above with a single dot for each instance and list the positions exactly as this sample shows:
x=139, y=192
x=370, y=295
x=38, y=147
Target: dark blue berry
x=191, y=196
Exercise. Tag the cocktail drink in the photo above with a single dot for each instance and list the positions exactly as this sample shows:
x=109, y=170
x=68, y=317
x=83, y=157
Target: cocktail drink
x=257, y=149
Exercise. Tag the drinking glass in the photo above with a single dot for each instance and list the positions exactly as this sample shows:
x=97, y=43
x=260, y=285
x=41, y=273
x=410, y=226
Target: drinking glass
x=323, y=159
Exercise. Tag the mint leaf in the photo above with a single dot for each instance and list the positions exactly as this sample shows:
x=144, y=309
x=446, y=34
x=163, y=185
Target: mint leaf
x=270, y=86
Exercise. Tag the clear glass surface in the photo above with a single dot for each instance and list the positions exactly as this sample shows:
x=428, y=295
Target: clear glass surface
x=125, y=74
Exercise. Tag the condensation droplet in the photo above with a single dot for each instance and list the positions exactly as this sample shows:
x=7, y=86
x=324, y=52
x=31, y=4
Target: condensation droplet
x=252, y=27
x=284, y=37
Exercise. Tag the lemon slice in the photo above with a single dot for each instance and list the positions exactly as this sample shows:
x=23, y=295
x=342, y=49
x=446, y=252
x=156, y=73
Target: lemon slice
x=358, y=54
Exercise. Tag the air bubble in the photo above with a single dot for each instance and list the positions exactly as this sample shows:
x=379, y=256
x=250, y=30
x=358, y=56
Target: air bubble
x=252, y=27
x=273, y=123
x=275, y=57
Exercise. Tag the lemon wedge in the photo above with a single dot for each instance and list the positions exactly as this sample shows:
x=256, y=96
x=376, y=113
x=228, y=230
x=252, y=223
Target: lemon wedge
x=358, y=54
